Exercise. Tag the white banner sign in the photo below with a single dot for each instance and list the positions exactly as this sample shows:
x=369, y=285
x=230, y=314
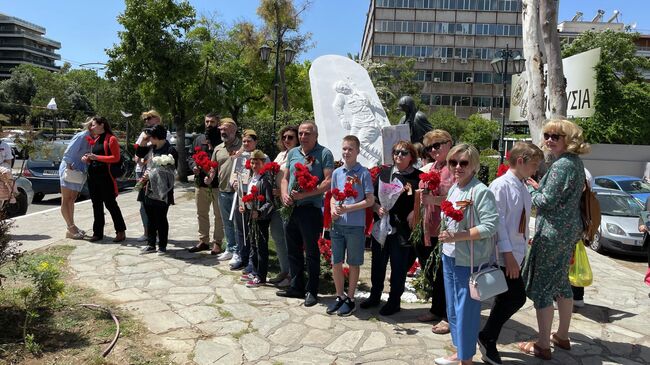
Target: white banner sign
x=580, y=74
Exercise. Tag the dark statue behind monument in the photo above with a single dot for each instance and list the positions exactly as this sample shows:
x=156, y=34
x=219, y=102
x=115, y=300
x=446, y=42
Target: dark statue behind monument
x=416, y=120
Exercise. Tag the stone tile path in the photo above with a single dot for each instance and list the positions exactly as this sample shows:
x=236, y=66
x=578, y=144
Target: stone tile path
x=203, y=314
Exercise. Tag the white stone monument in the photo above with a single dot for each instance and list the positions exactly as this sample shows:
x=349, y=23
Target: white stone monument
x=391, y=135
x=345, y=102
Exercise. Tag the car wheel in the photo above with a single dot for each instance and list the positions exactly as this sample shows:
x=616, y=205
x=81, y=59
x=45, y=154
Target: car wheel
x=596, y=245
x=38, y=197
x=19, y=207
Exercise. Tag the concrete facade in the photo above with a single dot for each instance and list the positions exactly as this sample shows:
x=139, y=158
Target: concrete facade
x=22, y=42
x=453, y=41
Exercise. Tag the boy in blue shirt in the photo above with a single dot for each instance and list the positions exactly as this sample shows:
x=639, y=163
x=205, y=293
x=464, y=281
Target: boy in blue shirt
x=348, y=224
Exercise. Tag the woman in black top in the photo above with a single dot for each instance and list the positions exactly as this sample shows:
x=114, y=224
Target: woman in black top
x=157, y=194
x=397, y=247
x=105, y=151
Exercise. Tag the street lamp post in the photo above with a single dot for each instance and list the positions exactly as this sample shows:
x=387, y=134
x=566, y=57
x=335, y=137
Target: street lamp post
x=456, y=104
x=95, y=66
x=265, y=53
x=500, y=66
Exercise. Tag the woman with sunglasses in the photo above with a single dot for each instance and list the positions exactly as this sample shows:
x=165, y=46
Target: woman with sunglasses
x=287, y=140
x=559, y=227
x=397, y=247
x=437, y=144
x=474, y=232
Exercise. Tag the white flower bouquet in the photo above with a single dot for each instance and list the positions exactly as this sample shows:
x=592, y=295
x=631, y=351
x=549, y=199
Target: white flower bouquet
x=388, y=195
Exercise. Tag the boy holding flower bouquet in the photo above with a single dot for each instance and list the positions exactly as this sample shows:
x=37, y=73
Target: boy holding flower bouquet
x=258, y=209
x=352, y=193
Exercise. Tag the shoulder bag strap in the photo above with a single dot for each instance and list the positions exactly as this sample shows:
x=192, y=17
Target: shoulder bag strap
x=471, y=224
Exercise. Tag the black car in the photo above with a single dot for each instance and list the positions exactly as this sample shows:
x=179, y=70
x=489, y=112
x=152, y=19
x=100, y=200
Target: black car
x=42, y=170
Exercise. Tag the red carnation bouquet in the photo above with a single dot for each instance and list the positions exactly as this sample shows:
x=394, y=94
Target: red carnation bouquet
x=202, y=160
x=429, y=182
x=304, y=182
x=253, y=201
x=347, y=192
x=448, y=209
x=325, y=248
x=272, y=168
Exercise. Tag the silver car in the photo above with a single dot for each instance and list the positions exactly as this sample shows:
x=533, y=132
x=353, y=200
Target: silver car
x=619, y=226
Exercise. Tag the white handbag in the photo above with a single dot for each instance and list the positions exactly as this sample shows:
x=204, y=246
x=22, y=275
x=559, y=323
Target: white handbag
x=74, y=176
x=488, y=281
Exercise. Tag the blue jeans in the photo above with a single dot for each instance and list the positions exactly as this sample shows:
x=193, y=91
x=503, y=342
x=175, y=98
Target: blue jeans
x=463, y=312
x=348, y=240
x=277, y=232
x=143, y=213
x=225, y=203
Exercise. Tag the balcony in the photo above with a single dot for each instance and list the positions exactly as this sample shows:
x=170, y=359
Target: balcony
x=31, y=35
x=13, y=20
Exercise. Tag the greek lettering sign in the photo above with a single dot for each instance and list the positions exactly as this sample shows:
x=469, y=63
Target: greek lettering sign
x=580, y=74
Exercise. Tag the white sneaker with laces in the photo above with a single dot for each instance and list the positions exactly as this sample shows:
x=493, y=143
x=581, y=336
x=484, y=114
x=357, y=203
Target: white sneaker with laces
x=226, y=255
x=142, y=238
x=235, y=260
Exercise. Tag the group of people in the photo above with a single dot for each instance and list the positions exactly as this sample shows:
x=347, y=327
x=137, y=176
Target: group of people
x=93, y=157
x=251, y=202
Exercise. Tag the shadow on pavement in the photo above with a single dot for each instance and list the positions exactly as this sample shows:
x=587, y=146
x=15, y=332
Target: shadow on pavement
x=602, y=314
x=30, y=237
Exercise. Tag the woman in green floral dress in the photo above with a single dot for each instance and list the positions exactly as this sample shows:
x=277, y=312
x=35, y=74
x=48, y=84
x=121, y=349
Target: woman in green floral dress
x=558, y=229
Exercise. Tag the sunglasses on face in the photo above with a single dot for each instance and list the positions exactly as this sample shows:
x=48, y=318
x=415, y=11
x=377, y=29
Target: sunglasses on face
x=461, y=163
x=434, y=146
x=553, y=137
x=288, y=137
x=403, y=153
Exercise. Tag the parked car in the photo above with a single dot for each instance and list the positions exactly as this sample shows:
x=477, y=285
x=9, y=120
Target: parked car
x=42, y=170
x=23, y=199
x=629, y=184
x=619, y=226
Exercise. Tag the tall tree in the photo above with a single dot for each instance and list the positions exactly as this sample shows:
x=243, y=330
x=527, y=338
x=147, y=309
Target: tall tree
x=556, y=81
x=155, y=54
x=281, y=24
x=534, y=104
x=17, y=94
x=392, y=80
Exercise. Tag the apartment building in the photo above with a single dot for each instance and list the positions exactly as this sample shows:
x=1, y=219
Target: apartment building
x=453, y=41
x=22, y=42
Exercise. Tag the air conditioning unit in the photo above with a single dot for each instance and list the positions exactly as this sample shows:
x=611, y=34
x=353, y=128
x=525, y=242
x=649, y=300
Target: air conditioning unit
x=420, y=59
x=469, y=80
x=436, y=79
x=443, y=60
x=463, y=60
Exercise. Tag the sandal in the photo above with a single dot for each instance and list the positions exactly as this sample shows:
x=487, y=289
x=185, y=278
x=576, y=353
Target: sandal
x=440, y=328
x=531, y=348
x=216, y=249
x=561, y=343
x=428, y=317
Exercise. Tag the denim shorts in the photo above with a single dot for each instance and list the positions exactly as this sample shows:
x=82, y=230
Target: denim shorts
x=347, y=238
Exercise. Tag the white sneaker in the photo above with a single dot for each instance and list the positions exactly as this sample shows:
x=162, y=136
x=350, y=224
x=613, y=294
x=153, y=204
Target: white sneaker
x=142, y=238
x=226, y=255
x=579, y=303
x=235, y=260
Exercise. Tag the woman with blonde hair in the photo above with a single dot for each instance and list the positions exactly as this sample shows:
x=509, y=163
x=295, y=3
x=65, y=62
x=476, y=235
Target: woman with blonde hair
x=437, y=144
x=72, y=176
x=467, y=245
x=559, y=228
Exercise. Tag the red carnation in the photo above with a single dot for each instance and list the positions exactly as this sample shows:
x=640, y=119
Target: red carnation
x=197, y=148
x=503, y=168
x=260, y=198
x=448, y=209
x=430, y=180
x=248, y=164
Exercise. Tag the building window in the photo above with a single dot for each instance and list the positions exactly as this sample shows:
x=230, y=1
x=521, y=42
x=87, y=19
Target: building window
x=441, y=100
x=497, y=101
x=462, y=76
x=426, y=99
x=482, y=101
x=461, y=100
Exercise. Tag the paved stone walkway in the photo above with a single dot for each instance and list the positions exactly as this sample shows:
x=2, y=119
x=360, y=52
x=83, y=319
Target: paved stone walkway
x=203, y=314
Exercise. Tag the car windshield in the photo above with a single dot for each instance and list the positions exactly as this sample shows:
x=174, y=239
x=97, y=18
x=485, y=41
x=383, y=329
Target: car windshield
x=634, y=186
x=619, y=205
x=48, y=151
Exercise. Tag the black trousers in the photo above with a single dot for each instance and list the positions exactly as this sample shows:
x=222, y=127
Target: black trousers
x=438, y=298
x=505, y=305
x=157, y=224
x=302, y=231
x=399, y=264
x=260, y=248
x=102, y=193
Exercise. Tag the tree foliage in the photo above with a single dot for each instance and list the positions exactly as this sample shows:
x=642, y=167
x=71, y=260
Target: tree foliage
x=392, y=80
x=622, y=100
x=444, y=118
x=480, y=132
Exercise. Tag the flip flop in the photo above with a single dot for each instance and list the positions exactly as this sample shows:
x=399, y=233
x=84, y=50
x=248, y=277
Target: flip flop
x=531, y=348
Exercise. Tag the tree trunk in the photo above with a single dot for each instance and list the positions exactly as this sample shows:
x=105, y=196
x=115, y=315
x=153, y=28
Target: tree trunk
x=534, y=102
x=179, y=123
x=555, y=79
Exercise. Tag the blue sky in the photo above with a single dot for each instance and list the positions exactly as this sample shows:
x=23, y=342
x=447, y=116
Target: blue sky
x=85, y=28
